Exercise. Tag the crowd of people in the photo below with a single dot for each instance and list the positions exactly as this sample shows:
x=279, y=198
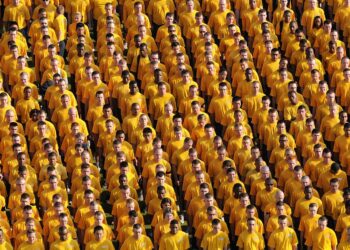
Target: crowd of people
x=161, y=124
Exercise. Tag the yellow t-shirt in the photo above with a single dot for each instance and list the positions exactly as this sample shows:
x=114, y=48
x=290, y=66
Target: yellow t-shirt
x=68, y=244
x=37, y=245
x=178, y=241
x=325, y=239
x=251, y=241
x=144, y=243
x=283, y=239
x=218, y=241
x=103, y=244
x=19, y=13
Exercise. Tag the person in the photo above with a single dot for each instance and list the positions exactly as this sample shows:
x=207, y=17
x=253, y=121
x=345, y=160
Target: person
x=64, y=242
x=32, y=243
x=137, y=241
x=308, y=222
x=175, y=239
x=322, y=237
x=215, y=239
x=250, y=238
x=283, y=237
x=345, y=244
x=99, y=242
x=4, y=244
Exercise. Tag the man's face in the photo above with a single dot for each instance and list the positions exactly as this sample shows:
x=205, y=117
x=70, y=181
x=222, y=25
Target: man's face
x=137, y=233
x=245, y=201
x=3, y=101
x=283, y=223
x=133, y=88
x=298, y=174
x=313, y=211
x=174, y=228
x=123, y=181
x=327, y=157
x=107, y=112
x=130, y=206
x=162, y=89
x=331, y=97
x=256, y=87
x=251, y=225
x=212, y=214
x=62, y=85
x=24, y=79
x=322, y=225
x=100, y=99
x=231, y=176
x=25, y=202
x=63, y=234
x=86, y=172
x=99, y=235
x=265, y=173
x=135, y=109
x=96, y=78
x=347, y=132
x=31, y=237
x=318, y=152
x=30, y=225
x=262, y=17
x=65, y=101
x=170, y=19
x=273, y=116
x=28, y=213
x=305, y=182
x=52, y=159
x=250, y=213
x=308, y=193
x=89, y=198
x=209, y=201
x=334, y=186
x=269, y=185
x=186, y=77
x=99, y=219
x=255, y=153
x=126, y=193
x=223, y=90
x=109, y=9
x=347, y=75
x=200, y=178
x=275, y=55
x=54, y=183
x=142, y=31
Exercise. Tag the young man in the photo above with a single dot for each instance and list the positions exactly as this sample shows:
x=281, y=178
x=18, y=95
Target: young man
x=284, y=237
x=99, y=242
x=250, y=238
x=64, y=242
x=322, y=236
x=215, y=239
x=137, y=241
x=174, y=238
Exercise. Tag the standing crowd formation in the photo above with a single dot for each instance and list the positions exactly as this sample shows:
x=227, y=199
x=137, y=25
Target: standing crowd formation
x=174, y=124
